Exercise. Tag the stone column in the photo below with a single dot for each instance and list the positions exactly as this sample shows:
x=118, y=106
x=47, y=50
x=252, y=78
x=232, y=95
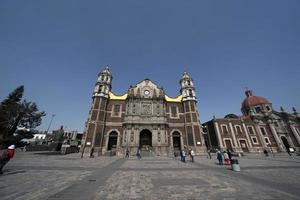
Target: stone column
x=279, y=144
x=233, y=135
x=263, y=142
x=220, y=141
x=295, y=134
x=247, y=135
x=136, y=136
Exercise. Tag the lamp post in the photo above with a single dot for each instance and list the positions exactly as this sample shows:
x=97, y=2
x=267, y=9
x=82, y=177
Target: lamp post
x=52, y=116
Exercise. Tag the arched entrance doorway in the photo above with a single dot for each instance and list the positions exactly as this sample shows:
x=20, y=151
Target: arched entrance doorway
x=112, y=141
x=145, y=139
x=285, y=142
x=176, y=142
x=244, y=146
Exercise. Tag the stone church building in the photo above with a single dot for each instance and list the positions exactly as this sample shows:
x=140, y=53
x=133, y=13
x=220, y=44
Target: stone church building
x=259, y=128
x=144, y=117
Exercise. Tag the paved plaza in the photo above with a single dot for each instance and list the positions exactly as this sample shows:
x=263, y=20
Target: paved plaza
x=41, y=175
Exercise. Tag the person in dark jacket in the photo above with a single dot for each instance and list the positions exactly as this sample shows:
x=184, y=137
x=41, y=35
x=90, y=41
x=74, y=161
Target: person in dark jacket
x=229, y=155
x=6, y=156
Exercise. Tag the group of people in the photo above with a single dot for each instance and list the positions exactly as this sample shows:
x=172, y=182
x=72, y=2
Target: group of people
x=224, y=157
x=138, y=153
x=187, y=153
x=5, y=156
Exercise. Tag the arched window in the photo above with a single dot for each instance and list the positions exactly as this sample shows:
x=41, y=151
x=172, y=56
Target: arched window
x=190, y=92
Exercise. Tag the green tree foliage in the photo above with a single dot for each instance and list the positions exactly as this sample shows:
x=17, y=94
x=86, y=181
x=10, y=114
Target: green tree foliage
x=16, y=113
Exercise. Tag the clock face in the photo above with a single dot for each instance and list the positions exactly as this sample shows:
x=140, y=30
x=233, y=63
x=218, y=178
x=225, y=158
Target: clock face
x=146, y=92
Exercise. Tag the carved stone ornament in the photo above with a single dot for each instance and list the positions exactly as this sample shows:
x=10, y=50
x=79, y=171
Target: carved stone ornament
x=146, y=109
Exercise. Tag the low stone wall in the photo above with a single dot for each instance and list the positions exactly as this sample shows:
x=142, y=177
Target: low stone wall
x=66, y=149
x=38, y=148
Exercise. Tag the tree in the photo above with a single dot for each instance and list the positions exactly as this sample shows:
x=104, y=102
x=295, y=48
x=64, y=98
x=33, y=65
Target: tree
x=16, y=113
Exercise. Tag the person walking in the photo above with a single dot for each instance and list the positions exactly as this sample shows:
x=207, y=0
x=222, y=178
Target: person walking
x=138, y=154
x=266, y=153
x=183, y=155
x=6, y=156
x=229, y=155
x=288, y=151
x=192, y=155
x=209, y=154
x=127, y=153
x=189, y=155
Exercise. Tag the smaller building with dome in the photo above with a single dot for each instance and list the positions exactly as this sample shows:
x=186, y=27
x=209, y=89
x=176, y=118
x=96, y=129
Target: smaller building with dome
x=259, y=128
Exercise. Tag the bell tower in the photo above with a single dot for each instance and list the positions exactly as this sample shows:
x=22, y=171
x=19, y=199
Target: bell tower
x=187, y=87
x=94, y=131
x=103, y=84
x=193, y=128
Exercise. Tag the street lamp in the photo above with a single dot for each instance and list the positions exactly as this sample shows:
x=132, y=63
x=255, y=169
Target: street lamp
x=52, y=116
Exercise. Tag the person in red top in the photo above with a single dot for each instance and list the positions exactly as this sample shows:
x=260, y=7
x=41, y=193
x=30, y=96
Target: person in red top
x=6, y=156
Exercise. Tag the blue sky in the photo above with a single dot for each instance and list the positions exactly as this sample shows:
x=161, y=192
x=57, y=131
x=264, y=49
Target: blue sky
x=56, y=49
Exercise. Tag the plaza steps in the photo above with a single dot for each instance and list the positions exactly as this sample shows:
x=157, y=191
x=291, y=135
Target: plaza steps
x=147, y=153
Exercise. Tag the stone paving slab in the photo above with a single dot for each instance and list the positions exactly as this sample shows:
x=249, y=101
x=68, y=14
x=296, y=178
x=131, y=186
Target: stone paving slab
x=184, y=185
x=37, y=176
x=35, y=184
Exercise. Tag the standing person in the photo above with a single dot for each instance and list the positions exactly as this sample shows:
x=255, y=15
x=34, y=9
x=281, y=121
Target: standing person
x=226, y=158
x=208, y=154
x=229, y=155
x=288, y=151
x=127, y=153
x=183, y=155
x=138, y=154
x=6, y=156
x=192, y=155
x=220, y=157
x=266, y=153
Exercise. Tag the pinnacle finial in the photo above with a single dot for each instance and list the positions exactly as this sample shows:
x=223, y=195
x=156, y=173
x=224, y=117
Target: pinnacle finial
x=294, y=110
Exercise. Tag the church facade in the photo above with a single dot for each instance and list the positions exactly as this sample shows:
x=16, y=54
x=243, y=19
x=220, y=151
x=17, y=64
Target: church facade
x=144, y=117
x=259, y=128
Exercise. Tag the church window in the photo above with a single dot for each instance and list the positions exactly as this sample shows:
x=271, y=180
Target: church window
x=254, y=140
x=257, y=109
x=238, y=130
x=267, y=140
x=190, y=93
x=276, y=124
x=250, y=129
x=263, y=131
x=268, y=108
x=101, y=88
x=116, y=109
x=173, y=111
x=190, y=139
x=224, y=129
x=188, y=82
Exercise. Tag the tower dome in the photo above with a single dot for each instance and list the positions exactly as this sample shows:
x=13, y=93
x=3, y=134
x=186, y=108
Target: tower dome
x=254, y=102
